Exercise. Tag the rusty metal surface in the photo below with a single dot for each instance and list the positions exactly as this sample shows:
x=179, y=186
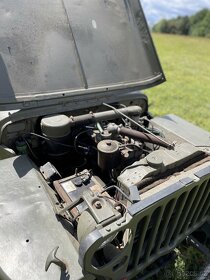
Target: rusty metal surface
x=142, y=136
x=95, y=188
x=57, y=49
x=65, y=197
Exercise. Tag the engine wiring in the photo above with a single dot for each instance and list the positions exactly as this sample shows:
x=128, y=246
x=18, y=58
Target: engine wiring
x=76, y=140
x=119, y=190
x=51, y=140
x=30, y=149
x=56, y=142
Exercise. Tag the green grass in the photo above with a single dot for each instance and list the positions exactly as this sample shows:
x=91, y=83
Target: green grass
x=186, y=63
x=187, y=265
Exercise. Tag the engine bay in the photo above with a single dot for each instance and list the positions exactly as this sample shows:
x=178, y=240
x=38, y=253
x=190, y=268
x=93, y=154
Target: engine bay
x=119, y=146
x=115, y=150
x=104, y=142
x=92, y=186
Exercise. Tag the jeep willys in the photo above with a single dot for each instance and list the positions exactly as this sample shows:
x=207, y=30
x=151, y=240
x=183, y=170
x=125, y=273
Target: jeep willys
x=91, y=186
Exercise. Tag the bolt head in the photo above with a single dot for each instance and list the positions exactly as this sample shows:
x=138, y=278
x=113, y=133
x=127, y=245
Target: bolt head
x=98, y=205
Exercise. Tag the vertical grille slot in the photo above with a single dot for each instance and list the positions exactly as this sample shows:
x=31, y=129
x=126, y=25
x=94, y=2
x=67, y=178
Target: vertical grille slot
x=154, y=230
x=206, y=208
x=164, y=223
x=138, y=242
x=186, y=210
x=177, y=213
x=198, y=215
x=142, y=239
x=195, y=205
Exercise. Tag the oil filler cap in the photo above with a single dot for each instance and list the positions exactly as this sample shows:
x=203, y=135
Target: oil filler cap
x=155, y=160
x=77, y=182
x=108, y=146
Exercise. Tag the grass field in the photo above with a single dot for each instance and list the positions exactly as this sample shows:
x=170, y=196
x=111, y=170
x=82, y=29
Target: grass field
x=186, y=63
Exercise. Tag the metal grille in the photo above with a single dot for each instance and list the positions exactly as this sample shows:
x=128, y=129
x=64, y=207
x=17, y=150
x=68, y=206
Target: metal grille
x=155, y=226
x=167, y=222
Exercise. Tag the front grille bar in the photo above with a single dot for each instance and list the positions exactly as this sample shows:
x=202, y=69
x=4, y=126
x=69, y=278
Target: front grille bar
x=180, y=205
x=199, y=212
x=186, y=211
x=165, y=222
x=194, y=208
x=153, y=234
x=141, y=240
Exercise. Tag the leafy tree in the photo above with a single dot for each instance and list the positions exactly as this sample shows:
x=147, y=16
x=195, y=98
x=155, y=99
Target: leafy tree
x=196, y=25
x=161, y=27
x=179, y=25
x=198, y=17
x=184, y=25
x=201, y=27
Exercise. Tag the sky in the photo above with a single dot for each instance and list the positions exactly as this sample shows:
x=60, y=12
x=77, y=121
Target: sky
x=158, y=9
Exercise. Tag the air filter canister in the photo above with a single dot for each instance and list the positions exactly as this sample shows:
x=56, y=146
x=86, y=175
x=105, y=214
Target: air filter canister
x=57, y=129
x=108, y=154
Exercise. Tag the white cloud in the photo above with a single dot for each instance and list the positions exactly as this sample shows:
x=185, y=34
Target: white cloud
x=158, y=9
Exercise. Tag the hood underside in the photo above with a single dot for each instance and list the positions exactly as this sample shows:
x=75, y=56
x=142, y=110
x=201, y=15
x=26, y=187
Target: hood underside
x=56, y=49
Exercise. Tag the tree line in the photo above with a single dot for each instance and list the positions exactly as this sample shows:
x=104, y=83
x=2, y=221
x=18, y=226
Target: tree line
x=196, y=25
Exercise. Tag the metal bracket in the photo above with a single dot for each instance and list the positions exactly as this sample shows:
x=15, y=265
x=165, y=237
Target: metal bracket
x=134, y=194
x=69, y=206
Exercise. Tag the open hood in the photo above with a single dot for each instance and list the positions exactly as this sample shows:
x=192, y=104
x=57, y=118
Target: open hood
x=56, y=49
